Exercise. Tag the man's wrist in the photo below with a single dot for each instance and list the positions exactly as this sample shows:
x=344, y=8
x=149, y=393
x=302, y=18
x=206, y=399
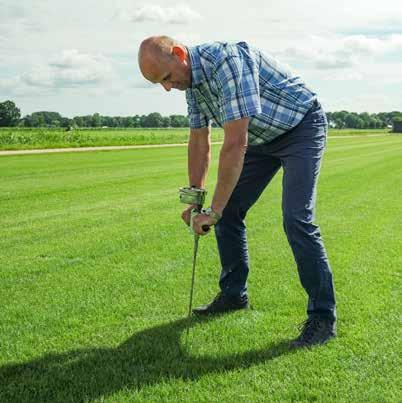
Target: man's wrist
x=212, y=213
x=218, y=209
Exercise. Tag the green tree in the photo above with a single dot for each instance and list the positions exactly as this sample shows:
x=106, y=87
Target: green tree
x=66, y=122
x=43, y=118
x=142, y=120
x=340, y=119
x=78, y=121
x=339, y=123
x=109, y=121
x=365, y=117
x=9, y=114
x=166, y=121
x=119, y=121
x=154, y=119
x=96, y=120
x=352, y=121
x=179, y=121
x=373, y=123
x=38, y=120
x=136, y=120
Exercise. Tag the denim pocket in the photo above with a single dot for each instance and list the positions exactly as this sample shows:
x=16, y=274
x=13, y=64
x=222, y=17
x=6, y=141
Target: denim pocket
x=313, y=128
x=315, y=117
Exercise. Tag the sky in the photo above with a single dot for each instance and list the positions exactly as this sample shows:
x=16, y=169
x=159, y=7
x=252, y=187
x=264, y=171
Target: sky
x=79, y=57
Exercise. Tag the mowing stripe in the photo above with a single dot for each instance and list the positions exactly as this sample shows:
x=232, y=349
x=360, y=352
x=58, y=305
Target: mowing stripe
x=107, y=148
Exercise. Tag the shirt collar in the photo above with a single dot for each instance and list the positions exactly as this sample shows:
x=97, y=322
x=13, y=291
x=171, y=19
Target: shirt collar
x=196, y=69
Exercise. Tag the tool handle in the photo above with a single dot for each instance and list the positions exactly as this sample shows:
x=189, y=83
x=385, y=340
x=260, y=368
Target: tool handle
x=198, y=209
x=205, y=228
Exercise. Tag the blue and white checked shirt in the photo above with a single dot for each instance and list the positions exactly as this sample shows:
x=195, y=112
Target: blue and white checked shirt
x=233, y=81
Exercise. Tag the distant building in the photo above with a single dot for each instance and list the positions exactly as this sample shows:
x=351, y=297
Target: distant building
x=397, y=125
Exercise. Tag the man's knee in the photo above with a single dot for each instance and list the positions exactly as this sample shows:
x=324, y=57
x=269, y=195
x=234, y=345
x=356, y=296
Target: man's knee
x=300, y=224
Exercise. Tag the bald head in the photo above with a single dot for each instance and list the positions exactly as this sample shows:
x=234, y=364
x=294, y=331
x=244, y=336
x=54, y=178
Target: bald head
x=154, y=51
x=162, y=59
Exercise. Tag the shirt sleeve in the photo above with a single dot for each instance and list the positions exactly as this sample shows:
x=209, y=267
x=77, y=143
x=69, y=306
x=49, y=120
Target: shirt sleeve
x=197, y=119
x=237, y=80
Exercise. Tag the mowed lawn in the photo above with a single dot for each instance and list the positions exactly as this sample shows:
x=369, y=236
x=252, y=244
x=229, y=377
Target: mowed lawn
x=95, y=270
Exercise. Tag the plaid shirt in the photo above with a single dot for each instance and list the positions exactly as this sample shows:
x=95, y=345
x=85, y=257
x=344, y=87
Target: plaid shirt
x=234, y=81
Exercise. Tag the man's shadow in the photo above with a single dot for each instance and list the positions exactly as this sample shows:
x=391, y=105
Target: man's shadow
x=146, y=358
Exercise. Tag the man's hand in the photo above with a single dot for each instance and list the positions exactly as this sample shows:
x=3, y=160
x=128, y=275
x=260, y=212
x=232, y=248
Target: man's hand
x=186, y=214
x=200, y=220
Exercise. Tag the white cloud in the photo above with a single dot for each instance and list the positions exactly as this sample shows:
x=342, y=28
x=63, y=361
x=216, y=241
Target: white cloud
x=15, y=18
x=39, y=76
x=348, y=75
x=11, y=11
x=343, y=52
x=15, y=86
x=69, y=69
x=8, y=84
x=188, y=38
x=179, y=14
x=369, y=46
x=334, y=61
x=372, y=103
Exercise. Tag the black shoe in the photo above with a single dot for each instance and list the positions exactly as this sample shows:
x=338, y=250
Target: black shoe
x=315, y=331
x=222, y=303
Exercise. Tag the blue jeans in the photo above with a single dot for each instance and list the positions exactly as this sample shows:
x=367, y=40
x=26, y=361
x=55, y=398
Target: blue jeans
x=299, y=153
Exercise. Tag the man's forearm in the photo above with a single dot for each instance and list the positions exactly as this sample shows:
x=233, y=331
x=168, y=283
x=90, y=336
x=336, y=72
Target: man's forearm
x=199, y=156
x=231, y=161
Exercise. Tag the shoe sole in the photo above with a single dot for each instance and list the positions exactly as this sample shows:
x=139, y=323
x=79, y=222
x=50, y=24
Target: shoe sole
x=206, y=313
x=295, y=344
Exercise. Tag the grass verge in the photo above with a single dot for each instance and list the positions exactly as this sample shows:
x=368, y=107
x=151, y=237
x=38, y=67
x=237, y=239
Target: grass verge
x=26, y=139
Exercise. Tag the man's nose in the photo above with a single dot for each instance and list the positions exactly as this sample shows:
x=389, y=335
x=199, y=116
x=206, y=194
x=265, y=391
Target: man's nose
x=167, y=86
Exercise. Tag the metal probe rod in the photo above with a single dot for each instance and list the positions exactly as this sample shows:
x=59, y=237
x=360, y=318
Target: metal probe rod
x=190, y=306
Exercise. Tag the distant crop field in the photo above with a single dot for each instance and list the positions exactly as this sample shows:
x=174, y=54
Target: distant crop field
x=357, y=132
x=18, y=139
x=15, y=139
x=95, y=271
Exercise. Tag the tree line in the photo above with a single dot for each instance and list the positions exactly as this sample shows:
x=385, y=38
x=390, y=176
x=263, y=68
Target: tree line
x=10, y=115
x=54, y=119
x=364, y=120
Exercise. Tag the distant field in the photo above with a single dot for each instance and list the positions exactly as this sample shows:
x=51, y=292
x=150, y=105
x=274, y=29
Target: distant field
x=95, y=270
x=19, y=139
x=15, y=139
x=357, y=132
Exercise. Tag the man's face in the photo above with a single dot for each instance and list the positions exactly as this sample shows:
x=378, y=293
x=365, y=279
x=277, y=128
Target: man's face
x=172, y=72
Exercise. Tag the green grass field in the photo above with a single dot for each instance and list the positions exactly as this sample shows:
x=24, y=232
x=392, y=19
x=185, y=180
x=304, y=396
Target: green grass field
x=95, y=269
x=23, y=138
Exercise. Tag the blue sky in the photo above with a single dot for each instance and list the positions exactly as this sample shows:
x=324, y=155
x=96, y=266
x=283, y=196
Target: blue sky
x=80, y=57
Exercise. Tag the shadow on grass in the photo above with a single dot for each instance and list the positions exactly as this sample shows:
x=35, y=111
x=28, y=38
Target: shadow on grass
x=145, y=359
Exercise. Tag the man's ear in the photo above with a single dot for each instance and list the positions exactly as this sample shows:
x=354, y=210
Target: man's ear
x=180, y=53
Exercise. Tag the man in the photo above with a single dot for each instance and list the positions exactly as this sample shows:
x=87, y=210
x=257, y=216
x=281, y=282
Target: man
x=271, y=119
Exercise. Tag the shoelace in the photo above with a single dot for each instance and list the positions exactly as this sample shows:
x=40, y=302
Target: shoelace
x=219, y=297
x=308, y=328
